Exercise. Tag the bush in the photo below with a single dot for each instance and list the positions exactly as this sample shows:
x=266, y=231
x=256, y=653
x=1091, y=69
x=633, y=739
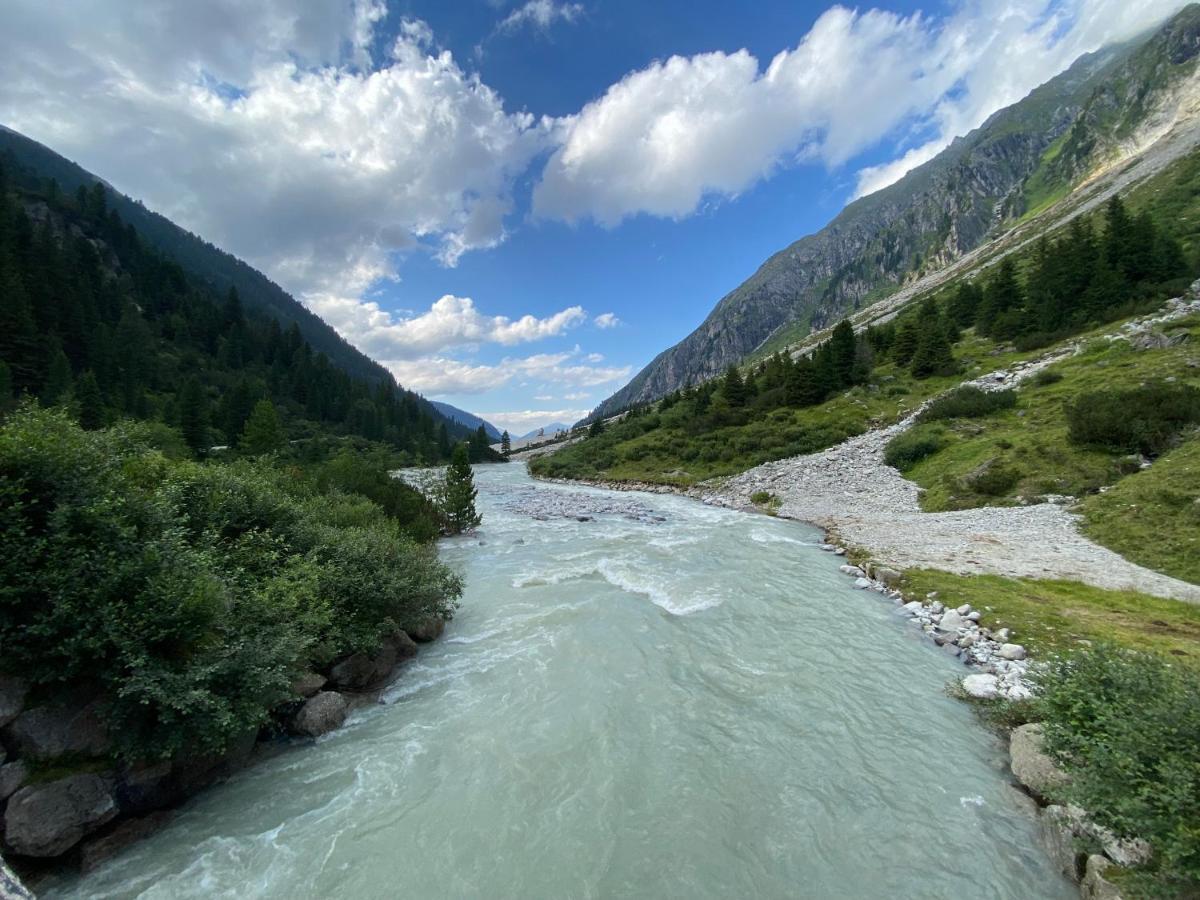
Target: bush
x=191, y=593
x=968, y=402
x=993, y=478
x=1144, y=420
x=1047, y=376
x=1126, y=725
x=910, y=447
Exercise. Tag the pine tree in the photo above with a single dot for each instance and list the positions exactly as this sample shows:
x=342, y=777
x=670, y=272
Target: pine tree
x=6, y=388
x=733, y=389
x=263, y=432
x=91, y=403
x=842, y=351
x=460, y=514
x=964, y=304
x=193, y=415
x=933, y=355
x=58, y=380
x=801, y=388
x=505, y=443
x=905, y=344
x=596, y=429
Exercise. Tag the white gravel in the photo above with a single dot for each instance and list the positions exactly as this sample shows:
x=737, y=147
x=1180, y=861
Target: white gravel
x=849, y=489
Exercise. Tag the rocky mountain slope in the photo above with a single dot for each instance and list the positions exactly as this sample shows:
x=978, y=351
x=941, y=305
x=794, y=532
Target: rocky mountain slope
x=469, y=420
x=1107, y=107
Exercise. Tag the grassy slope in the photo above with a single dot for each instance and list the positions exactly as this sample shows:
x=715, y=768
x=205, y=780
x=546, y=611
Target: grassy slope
x=1055, y=616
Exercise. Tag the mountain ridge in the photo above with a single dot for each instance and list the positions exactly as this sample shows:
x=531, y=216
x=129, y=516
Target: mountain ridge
x=980, y=187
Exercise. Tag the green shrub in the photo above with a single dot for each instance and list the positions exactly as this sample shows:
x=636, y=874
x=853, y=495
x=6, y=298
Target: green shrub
x=993, y=479
x=1126, y=725
x=968, y=402
x=1145, y=419
x=1047, y=376
x=910, y=447
x=191, y=593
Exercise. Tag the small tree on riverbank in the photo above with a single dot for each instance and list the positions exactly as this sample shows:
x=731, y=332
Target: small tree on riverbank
x=505, y=444
x=459, y=499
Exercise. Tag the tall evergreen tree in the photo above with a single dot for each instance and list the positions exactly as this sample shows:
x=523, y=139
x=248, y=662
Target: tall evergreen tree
x=193, y=415
x=263, y=432
x=58, y=380
x=460, y=513
x=6, y=388
x=505, y=443
x=842, y=353
x=733, y=388
x=91, y=403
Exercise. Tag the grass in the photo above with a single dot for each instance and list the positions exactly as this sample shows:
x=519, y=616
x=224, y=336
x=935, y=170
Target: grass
x=1153, y=516
x=1056, y=616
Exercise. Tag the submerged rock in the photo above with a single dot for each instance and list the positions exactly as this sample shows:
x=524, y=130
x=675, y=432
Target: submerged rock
x=44, y=820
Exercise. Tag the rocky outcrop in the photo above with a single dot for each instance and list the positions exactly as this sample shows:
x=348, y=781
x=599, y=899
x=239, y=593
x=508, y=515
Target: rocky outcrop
x=12, y=776
x=427, y=630
x=321, y=714
x=45, y=820
x=12, y=698
x=362, y=671
x=1031, y=765
x=1094, y=885
x=1060, y=829
x=49, y=732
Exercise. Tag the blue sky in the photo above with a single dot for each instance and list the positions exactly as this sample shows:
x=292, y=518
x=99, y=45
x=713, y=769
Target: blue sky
x=515, y=205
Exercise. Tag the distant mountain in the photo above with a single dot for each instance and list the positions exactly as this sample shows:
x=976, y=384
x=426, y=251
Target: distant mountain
x=546, y=431
x=465, y=418
x=1107, y=106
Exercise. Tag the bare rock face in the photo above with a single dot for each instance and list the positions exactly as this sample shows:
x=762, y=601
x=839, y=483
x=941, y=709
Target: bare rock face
x=47, y=732
x=1031, y=765
x=12, y=776
x=321, y=714
x=44, y=820
x=1094, y=885
x=1060, y=826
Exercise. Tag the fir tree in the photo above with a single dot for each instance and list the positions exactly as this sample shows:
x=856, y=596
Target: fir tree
x=263, y=432
x=460, y=513
x=58, y=380
x=193, y=415
x=841, y=354
x=91, y=403
x=596, y=429
x=505, y=443
x=907, y=338
x=801, y=388
x=733, y=389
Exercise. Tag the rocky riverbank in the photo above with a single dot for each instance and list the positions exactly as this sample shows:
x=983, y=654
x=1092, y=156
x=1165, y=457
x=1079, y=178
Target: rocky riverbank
x=64, y=801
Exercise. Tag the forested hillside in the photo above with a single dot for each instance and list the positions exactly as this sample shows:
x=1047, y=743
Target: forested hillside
x=92, y=313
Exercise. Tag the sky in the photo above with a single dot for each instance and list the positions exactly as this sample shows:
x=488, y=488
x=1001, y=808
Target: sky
x=514, y=205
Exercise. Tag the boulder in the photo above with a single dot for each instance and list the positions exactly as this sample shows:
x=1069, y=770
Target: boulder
x=12, y=776
x=854, y=571
x=307, y=684
x=912, y=608
x=428, y=630
x=321, y=714
x=1059, y=829
x=1031, y=765
x=145, y=787
x=950, y=623
x=47, y=732
x=862, y=583
x=982, y=686
x=44, y=820
x=964, y=610
x=360, y=671
x=12, y=697
x=1094, y=885
x=10, y=885
x=890, y=577
x=1011, y=652
x=99, y=850
x=403, y=645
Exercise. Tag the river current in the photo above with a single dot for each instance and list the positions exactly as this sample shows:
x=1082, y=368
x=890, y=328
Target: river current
x=662, y=700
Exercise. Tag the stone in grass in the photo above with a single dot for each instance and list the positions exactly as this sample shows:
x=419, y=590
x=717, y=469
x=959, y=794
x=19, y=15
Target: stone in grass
x=1011, y=652
x=1031, y=765
x=982, y=686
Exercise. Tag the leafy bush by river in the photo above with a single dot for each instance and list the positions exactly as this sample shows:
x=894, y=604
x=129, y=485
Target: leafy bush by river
x=193, y=593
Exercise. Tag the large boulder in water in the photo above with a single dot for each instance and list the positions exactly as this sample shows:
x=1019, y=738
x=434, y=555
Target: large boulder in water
x=46, y=820
x=364, y=670
x=429, y=629
x=321, y=714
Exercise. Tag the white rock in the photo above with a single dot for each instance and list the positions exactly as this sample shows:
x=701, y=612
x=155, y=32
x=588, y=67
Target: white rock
x=1012, y=651
x=854, y=571
x=964, y=610
x=861, y=583
x=982, y=686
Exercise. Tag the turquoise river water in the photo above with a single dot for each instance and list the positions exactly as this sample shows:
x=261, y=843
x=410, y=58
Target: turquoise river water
x=665, y=700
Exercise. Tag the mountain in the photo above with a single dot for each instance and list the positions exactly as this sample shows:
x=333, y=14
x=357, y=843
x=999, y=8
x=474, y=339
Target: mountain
x=546, y=431
x=466, y=419
x=1107, y=106
x=119, y=311
x=211, y=265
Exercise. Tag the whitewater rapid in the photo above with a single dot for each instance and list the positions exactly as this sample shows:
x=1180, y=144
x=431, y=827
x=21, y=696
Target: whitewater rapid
x=641, y=696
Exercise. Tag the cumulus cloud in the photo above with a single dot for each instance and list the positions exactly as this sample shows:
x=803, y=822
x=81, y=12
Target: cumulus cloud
x=438, y=375
x=540, y=14
x=450, y=322
x=663, y=138
x=606, y=320
x=524, y=421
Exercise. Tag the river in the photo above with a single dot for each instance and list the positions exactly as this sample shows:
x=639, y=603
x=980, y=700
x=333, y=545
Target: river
x=664, y=700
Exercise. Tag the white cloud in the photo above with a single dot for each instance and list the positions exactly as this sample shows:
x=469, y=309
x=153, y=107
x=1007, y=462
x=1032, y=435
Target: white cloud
x=577, y=395
x=543, y=398
x=440, y=376
x=595, y=357
x=540, y=14
x=665, y=137
x=450, y=322
x=524, y=421
x=606, y=320
x=269, y=131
